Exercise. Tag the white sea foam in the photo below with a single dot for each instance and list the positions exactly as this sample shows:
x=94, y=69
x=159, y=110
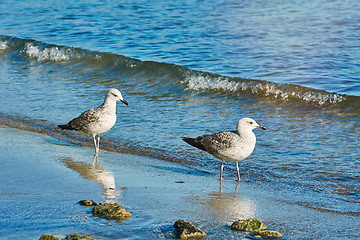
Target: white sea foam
x=201, y=82
x=3, y=45
x=48, y=53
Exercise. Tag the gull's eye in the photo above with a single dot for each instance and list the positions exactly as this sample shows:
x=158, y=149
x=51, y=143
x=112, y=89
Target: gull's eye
x=114, y=95
x=251, y=123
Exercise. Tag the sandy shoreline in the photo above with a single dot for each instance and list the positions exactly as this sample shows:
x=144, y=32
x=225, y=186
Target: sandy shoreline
x=42, y=179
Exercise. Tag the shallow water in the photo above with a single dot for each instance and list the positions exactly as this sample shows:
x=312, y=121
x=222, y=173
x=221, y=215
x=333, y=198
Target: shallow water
x=186, y=69
x=156, y=192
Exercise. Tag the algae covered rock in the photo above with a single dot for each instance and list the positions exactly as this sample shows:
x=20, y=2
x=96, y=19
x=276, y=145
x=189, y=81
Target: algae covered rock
x=188, y=230
x=78, y=237
x=112, y=211
x=250, y=225
x=269, y=234
x=87, y=203
x=49, y=237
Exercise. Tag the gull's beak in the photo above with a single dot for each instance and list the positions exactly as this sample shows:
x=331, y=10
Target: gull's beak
x=261, y=127
x=124, y=102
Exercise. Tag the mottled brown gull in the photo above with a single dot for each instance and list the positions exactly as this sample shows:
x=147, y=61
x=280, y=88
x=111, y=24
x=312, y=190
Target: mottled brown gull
x=98, y=120
x=229, y=146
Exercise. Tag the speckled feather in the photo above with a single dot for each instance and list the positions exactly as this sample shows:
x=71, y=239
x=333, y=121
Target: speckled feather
x=91, y=116
x=217, y=141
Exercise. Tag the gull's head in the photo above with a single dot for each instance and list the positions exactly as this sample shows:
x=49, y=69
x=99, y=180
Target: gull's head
x=115, y=95
x=249, y=123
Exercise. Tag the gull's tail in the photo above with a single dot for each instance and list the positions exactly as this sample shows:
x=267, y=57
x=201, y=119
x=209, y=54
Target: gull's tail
x=195, y=142
x=65, y=127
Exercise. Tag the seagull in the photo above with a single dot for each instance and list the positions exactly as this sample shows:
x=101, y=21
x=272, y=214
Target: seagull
x=229, y=146
x=98, y=120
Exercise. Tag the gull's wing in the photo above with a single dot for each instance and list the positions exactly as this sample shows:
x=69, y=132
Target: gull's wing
x=214, y=142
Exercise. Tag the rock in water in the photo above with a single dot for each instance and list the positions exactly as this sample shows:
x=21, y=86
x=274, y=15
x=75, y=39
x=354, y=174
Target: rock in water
x=49, y=237
x=78, y=237
x=188, y=230
x=69, y=237
x=87, y=203
x=250, y=225
x=268, y=234
x=112, y=211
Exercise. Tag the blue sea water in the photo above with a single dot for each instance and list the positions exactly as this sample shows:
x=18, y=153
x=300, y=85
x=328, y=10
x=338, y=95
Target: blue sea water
x=308, y=43
x=194, y=67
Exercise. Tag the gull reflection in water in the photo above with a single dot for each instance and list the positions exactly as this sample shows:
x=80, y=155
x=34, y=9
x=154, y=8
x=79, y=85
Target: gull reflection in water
x=230, y=205
x=95, y=173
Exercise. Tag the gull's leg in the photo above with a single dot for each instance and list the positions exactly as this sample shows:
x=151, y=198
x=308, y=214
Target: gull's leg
x=220, y=190
x=221, y=170
x=98, y=143
x=95, y=144
x=237, y=169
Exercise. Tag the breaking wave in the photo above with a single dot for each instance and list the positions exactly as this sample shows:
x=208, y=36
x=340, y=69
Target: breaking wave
x=55, y=54
x=203, y=81
x=191, y=79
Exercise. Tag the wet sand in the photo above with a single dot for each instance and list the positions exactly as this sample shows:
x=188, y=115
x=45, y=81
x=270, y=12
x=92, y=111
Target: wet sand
x=42, y=179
